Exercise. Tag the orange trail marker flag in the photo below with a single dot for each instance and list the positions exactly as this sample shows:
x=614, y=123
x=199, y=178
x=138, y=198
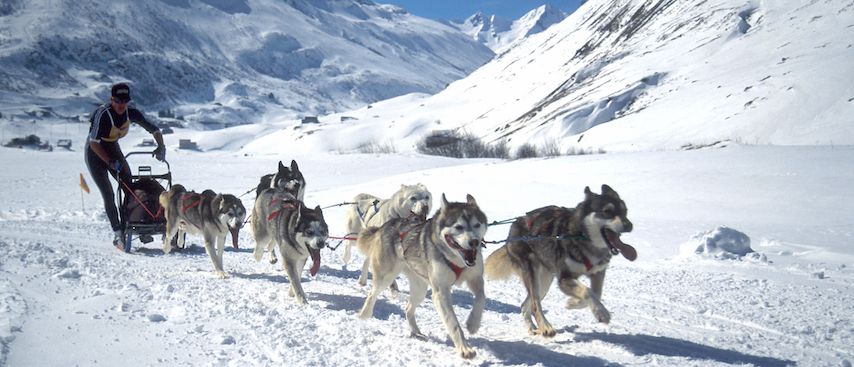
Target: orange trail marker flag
x=83, y=184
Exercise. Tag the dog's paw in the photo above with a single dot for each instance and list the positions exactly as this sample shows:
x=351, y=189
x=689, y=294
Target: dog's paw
x=472, y=326
x=466, y=352
x=222, y=275
x=602, y=315
x=548, y=332
x=418, y=335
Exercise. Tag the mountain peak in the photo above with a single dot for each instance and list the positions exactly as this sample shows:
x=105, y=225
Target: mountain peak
x=499, y=33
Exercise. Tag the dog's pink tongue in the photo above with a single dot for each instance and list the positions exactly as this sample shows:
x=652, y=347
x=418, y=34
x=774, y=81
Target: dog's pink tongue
x=628, y=251
x=315, y=258
x=234, y=232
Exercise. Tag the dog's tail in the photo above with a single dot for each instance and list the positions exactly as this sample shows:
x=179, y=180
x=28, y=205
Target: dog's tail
x=367, y=238
x=498, y=265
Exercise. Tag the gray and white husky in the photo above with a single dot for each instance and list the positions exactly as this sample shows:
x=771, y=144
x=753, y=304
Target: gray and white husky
x=208, y=214
x=565, y=243
x=280, y=219
x=289, y=179
x=370, y=211
x=442, y=252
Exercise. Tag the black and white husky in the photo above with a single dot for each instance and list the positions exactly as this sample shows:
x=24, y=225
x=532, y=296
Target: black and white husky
x=208, y=214
x=281, y=220
x=442, y=252
x=565, y=243
x=289, y=179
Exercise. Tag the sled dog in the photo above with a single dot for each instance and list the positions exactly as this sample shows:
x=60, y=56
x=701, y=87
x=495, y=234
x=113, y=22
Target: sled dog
x=289, y=179
x=565, y=243
x=442, y=252
x=208, y=214
x=371, y=211
x=279, y=218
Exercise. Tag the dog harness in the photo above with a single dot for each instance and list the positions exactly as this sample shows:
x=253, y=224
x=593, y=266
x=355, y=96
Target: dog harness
x=195, y=199
x=548, y=223
x=288, y=205
x=362, y=215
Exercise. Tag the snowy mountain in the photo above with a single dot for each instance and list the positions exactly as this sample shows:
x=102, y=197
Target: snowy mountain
x=624, y=75
x=498, y=33
x=226, y=61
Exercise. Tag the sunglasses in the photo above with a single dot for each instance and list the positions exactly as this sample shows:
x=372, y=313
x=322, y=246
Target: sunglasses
x=121, y=100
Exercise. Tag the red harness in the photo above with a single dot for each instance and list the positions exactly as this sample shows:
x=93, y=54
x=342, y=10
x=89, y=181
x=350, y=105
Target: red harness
x=289, y=205
x=196, y=199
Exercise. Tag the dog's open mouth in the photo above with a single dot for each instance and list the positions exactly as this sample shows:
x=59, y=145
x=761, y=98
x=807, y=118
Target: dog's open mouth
x=468, y=255
x=292, y=191
x=420, y=217
x=234, y=232
x=315, y=259
x=617, y=246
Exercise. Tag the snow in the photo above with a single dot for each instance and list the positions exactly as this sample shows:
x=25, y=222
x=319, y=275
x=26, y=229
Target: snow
x=737, y=185
x=67, y=297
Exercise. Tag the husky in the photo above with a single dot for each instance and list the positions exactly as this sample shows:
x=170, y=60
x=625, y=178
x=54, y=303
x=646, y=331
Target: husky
x=565, y=243
x=370, y=211
x=208, y=214
x=442, y=252
x=281, y=219
x=289, y=179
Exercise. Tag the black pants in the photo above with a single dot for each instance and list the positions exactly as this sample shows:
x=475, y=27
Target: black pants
x=101, y=173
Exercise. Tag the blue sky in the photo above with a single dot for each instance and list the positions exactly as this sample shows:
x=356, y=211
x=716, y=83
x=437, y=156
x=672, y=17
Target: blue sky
x=462, y=9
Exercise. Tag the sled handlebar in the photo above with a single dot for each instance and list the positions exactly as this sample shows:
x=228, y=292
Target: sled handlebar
x=150, y=153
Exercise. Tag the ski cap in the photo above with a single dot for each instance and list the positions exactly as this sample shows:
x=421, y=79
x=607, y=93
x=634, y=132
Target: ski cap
x=121, y=90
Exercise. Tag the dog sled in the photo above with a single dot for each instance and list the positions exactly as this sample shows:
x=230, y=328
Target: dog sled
x=140, y=212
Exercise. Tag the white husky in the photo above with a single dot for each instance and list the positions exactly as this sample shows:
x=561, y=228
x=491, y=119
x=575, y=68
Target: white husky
x=370, y=211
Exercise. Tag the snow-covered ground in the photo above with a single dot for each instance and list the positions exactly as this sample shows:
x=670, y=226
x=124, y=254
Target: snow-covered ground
x=69, y=298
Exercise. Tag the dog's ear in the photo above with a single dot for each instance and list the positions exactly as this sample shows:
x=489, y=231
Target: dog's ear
x=445, y=202
x=294, y=166
x=587, y=191
x=281, y=166
x=470, y=200
x=608, y=191
x=216, y=204
x=318, y=211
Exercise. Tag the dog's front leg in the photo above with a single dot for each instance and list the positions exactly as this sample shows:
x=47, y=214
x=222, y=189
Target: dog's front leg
x=476, y=286
x=572, y=287
x=213, y=253
x=445, y=308
x=293, y=269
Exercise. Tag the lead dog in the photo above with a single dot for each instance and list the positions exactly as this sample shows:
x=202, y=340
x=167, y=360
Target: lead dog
x=281, y=219
x=371, y=211
x=208, y=214
x=441, y=252
x=574, y=242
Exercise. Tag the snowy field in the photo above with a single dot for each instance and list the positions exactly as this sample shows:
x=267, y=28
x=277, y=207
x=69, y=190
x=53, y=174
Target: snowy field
x=69, y=298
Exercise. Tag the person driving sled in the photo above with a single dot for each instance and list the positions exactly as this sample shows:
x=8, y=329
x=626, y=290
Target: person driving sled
x=109, y=123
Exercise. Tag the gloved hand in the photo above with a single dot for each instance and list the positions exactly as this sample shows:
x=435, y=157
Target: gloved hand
x=116, y=165
x=159, y=153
